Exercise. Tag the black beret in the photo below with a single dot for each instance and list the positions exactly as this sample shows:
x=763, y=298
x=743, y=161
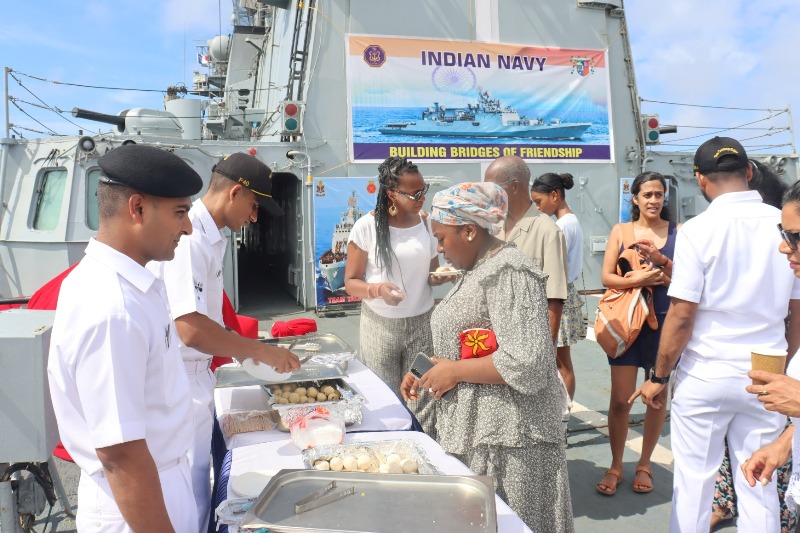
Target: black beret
x=149, y=170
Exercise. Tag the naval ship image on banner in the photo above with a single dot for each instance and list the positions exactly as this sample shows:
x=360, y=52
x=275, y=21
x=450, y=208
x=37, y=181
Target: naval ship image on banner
x=487, y=118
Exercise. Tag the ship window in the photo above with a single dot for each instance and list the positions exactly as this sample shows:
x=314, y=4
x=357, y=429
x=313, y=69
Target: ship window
x=49, y=197
x=92, y=218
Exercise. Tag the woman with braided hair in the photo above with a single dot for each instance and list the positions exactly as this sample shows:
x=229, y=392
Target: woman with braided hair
x=390, y=255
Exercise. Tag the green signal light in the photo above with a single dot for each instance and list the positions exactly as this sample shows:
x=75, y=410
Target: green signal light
x=653, y=135
x=291, y=124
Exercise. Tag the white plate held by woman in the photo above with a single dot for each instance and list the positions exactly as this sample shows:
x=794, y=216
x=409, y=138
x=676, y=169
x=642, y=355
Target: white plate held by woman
x=264, y=371
x=250, y=484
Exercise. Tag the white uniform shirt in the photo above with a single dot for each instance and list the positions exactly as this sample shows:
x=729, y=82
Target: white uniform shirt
x=727, y=261
x=414, y=249
x=114, y=368
x=194, y=277
x=573, y=235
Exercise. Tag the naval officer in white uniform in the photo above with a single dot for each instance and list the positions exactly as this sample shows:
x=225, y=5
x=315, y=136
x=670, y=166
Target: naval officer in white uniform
x=120, y=392
x=731, y=292
x=239, y=185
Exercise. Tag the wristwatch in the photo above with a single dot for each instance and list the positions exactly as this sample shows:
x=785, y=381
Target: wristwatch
x=656, y=379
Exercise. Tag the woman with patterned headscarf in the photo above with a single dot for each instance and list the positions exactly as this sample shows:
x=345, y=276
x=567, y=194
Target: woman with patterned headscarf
x=492, y=343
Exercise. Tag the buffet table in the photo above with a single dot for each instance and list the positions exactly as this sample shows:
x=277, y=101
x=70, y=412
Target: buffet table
x=383, y=410
x=279, y=454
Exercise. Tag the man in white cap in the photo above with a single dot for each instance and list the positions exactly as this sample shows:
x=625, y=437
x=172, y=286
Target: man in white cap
x=731, y=292
x=120, y=393
x=239, y=185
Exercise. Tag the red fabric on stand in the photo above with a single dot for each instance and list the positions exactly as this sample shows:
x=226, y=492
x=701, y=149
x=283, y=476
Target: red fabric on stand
x=47, y=296
x=230, y=319
x=249, y=326
x=294, y=327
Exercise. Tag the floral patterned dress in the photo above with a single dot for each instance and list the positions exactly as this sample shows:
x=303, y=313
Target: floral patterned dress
x=511, y=432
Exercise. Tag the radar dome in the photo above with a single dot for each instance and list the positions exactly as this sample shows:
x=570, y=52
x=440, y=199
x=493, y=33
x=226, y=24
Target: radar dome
x=218, y=47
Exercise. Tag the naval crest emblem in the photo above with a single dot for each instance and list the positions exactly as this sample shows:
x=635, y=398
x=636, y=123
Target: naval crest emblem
x=374, y=55
x=582, y=65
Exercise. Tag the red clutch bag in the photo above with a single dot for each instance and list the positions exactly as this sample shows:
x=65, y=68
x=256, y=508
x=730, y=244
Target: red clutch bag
x=477, y=343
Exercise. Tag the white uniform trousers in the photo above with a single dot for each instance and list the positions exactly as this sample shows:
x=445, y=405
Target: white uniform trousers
x=704, y=411
x=98, y=512
x=201, y=382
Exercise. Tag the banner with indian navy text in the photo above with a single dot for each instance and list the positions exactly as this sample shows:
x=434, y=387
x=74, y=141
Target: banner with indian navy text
x=441, y=100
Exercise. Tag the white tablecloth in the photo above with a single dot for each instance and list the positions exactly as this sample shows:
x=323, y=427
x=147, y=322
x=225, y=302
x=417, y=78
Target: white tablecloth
x=277, y=455
x=383, y=410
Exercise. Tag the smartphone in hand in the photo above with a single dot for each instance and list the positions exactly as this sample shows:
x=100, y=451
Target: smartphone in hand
x=421, y=364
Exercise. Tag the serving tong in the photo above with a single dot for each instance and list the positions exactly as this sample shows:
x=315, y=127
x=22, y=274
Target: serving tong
x=321, y=497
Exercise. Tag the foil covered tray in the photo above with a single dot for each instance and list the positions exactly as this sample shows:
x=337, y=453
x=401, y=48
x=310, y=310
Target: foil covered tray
x=348, y=406
x=380, y=502
x=324, y=348
x=379, y=453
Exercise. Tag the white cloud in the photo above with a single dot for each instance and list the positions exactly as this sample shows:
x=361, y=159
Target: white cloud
x=202, y=16
x=718, y=52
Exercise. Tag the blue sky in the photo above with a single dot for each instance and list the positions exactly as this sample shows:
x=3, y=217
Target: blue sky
x=733, y=53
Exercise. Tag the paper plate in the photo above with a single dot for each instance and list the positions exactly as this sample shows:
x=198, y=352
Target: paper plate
x=265, y=372
x=250, y=484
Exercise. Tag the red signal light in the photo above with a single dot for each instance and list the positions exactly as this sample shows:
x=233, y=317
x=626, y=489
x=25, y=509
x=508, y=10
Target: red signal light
x=652, y=122
x=290, y=110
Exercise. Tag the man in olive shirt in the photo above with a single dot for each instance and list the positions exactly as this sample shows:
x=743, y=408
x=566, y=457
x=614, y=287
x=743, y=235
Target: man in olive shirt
x=536, y=235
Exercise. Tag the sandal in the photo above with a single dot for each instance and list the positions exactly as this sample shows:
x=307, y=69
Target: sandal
x=719, y=520
x=647, y=487
x=610, y=490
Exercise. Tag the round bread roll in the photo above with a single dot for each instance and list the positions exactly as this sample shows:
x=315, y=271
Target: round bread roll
x=391, y=468
x=304, y=399
x=393, y=458
x=409, y=466
x=332, y=397
x=322, y=465
x=350, y=463
x=336, y=463
x=321, y=397
x=301, y=391
x=364, y=461
x=275, y=389
x=283, y=400
x=294, y=398
x=327, y=389
x=286, y=394
x=286, y=387
x=311, y=392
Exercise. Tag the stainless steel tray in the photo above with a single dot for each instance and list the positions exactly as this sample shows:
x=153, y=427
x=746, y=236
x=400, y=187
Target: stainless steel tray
x=236, y=376
x=328, y=347
x=382, y=502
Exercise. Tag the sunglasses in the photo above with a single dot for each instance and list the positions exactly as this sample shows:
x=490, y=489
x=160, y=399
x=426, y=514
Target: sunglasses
x=417, y=196
x=791, y=238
